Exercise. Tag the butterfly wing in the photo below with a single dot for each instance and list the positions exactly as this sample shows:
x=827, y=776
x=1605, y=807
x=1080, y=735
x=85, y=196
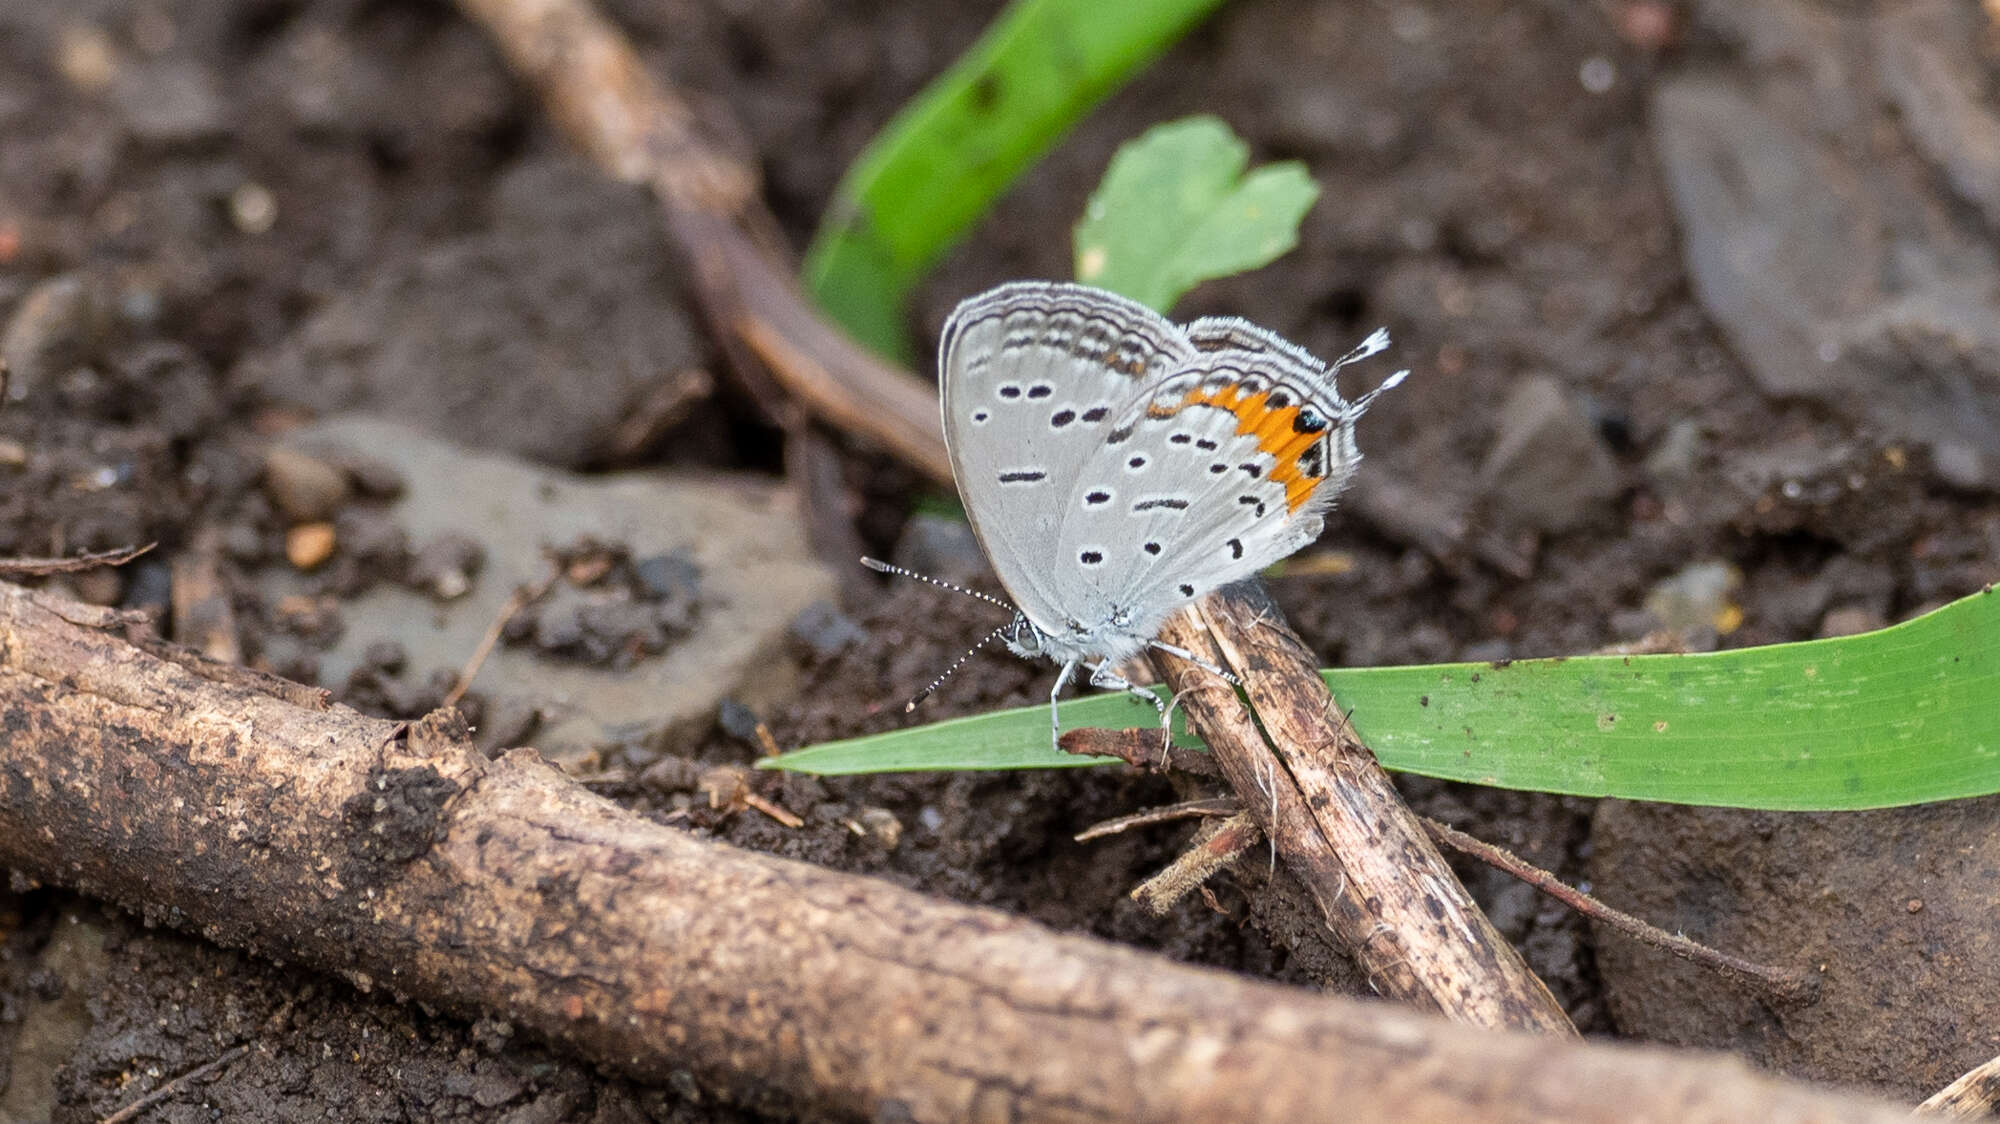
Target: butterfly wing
x=1212, y=473
x=1032, y=375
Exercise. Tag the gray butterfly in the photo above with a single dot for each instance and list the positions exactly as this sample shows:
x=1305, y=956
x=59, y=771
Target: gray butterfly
x=1116, y=466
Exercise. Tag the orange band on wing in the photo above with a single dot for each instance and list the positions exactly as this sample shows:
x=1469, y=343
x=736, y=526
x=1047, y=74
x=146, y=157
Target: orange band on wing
x=1277, y=435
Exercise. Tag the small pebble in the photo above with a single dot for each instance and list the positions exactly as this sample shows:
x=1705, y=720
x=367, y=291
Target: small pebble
x=253, y=208
x=304, y=488
x=309, y=545
x=389, y=655
x=666, y=576
x=86, y=58
x=882, y=826
x=372, y=477
x=825, y=630
x=445, y=566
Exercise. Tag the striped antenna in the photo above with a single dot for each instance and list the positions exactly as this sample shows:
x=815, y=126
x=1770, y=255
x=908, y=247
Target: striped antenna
x=955, y=665
x=881, y=567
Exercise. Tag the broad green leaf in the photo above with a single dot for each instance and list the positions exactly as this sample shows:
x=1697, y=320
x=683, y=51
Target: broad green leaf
x=1906, y=715
x=940, y=164
x=1175, y=209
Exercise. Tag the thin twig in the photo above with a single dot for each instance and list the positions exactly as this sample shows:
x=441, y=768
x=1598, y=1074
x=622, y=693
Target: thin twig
x=1218, y=845
x=271, y=1026
x=1214, y=806
x=1141, y=748
x=1968, y=1098
x=521, y=598
x=37, y=567
x=1785, y=985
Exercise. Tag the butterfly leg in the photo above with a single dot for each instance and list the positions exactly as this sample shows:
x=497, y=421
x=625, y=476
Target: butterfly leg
x=1190, y=657
x=1055, y=722
x=1104, y=675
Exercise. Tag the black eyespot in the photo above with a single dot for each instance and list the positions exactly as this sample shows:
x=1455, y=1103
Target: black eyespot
x=1096, y=498
x=1309, y=420
x=1180, y=439
x=1205, y=445
x=1062, y=418
x=1255, y=470
x=1090, y=558
x=1152, y=548
x=1041, y=390
x=1235, y=548
x=1218, y=469
x=1095, y=414
x=1136, y=462
x=1187, y=590
x=1010, y=391
x=980, y=415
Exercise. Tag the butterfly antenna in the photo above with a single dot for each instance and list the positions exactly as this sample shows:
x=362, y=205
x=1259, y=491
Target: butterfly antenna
x=882, y=567
x=920, y=696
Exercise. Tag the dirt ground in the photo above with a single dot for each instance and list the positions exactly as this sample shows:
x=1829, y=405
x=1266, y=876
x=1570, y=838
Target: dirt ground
x=182, y=187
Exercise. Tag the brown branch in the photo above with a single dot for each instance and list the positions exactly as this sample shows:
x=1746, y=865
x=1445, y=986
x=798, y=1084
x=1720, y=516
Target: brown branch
x=1215, y=847
x=639, y=131
x=398, y=856
x=1783, y=985
x=38, y=567
x=1968, y=1098
x=1389, y=898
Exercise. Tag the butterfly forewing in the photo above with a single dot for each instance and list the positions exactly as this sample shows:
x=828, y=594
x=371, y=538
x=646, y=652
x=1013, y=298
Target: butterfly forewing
x=1033, y=374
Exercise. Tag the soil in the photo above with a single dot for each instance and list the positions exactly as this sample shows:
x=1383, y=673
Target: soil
x=183, y=186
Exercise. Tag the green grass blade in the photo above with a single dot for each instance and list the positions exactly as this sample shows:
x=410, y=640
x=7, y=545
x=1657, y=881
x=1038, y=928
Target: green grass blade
x=944, y=159
x=1176, y=209
x=1905, y=715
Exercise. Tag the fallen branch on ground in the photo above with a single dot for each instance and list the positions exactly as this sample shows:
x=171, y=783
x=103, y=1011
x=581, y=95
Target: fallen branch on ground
x=640, y=131
x=250, y=810
x=1315, y=791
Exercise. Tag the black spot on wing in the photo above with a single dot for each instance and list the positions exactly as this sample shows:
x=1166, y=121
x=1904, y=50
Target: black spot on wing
x=1235, y=548
x=1097, y=497
x=1169, y=503
x=1090, y=557
x=1061, y=418
x=1095, y=414
x=1022, y=477
x=1041, y=390
x=1187, y=590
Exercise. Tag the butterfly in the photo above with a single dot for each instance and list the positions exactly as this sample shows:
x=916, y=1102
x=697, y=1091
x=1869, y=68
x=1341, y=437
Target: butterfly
x=1116, y=466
